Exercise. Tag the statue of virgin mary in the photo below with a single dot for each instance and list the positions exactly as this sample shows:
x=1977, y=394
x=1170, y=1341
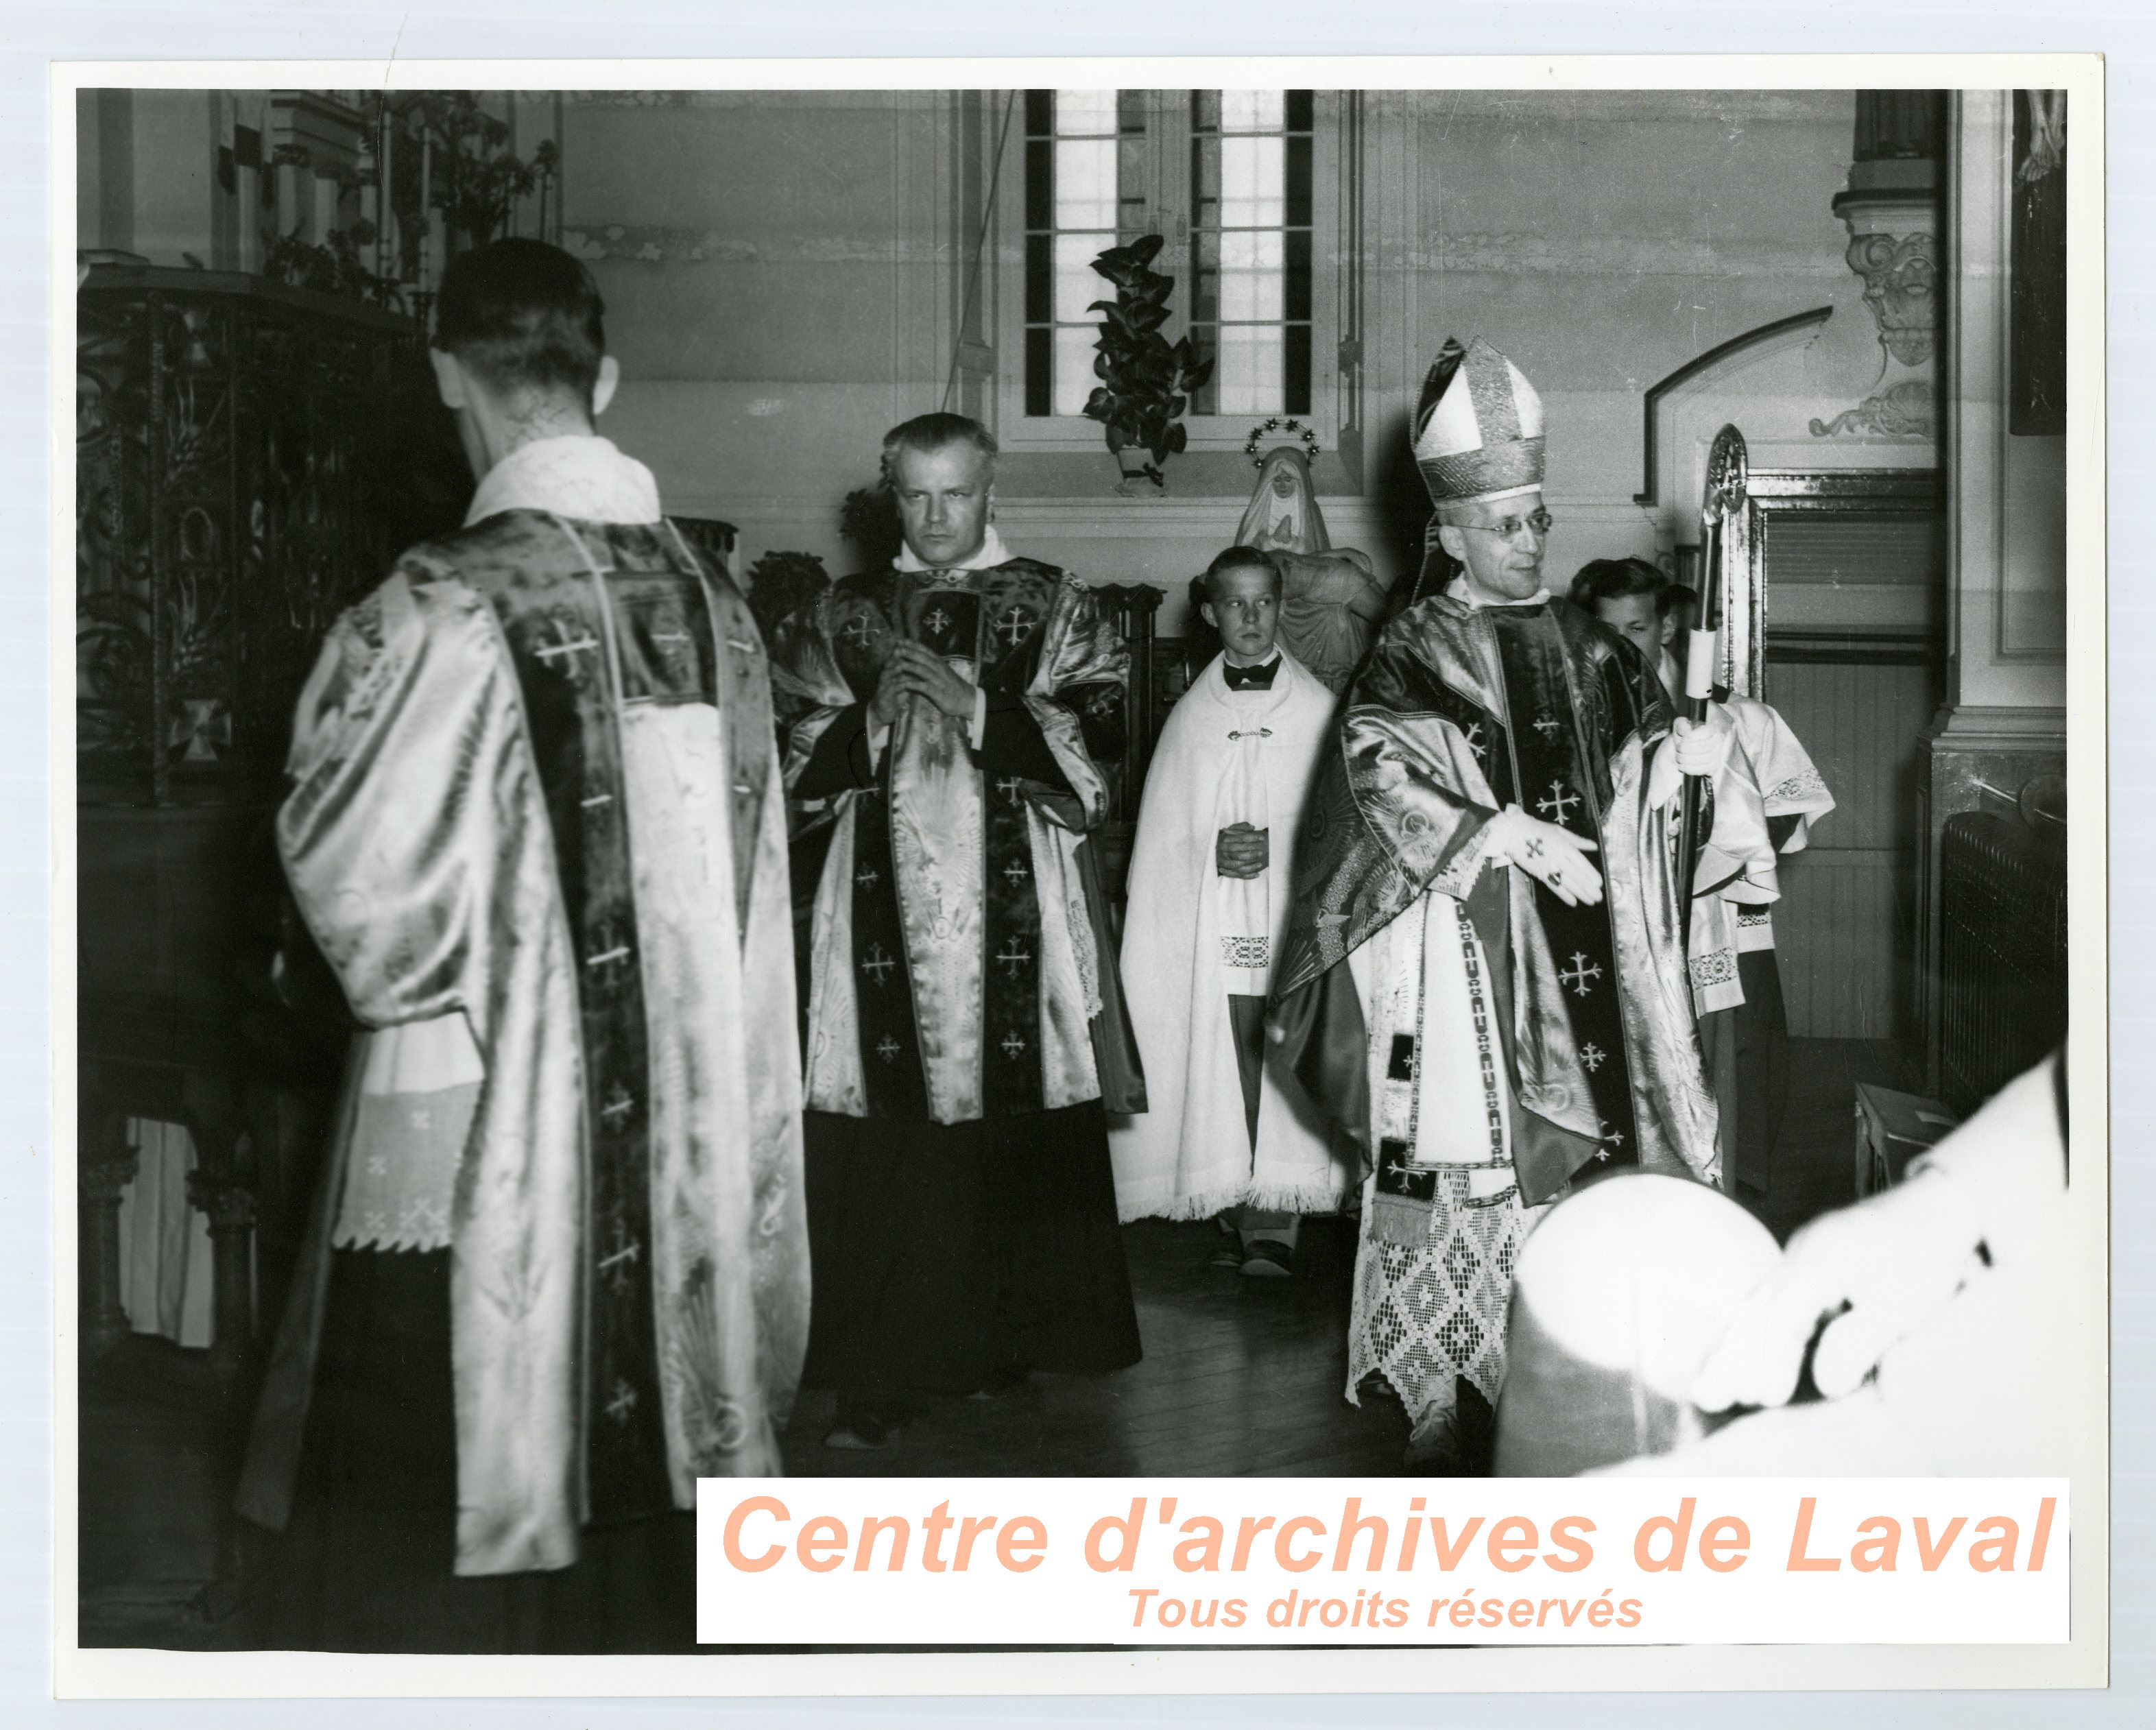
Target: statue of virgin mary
x=1332, y=602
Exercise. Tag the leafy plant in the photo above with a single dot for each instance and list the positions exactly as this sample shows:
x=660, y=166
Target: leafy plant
x=1146, y=381
x=869, y=519
x=472, y=179
x=336, y=266
x=780, y=583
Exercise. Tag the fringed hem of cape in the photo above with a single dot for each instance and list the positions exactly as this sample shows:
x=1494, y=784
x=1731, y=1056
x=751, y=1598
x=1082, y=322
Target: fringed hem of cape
x=1275, y=1199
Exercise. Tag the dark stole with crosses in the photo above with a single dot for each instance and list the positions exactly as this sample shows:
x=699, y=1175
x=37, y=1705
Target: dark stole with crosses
x=1536, y=756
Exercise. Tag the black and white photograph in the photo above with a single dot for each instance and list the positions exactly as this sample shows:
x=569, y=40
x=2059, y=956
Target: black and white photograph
x=1110, y=783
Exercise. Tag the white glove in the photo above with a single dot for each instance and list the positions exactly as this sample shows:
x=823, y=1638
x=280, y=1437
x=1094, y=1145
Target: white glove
x=1555, y=858
x=1702, y=747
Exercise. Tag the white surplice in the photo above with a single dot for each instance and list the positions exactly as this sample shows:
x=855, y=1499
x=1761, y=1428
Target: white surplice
x=1193, y=937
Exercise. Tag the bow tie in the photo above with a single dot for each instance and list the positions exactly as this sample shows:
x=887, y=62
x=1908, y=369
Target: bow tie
x=1251, y=678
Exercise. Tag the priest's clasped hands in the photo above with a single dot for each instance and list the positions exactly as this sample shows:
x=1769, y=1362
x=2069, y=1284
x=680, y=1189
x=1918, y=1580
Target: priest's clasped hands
x=1242, y=850
x=916, y=670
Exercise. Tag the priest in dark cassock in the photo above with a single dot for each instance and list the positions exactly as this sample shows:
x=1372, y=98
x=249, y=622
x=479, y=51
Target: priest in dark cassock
x=558, y=1270
x=948, y=723
x=1483, y=979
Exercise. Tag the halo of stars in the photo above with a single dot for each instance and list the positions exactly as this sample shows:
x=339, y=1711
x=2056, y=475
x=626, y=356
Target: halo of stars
x=1293, y=428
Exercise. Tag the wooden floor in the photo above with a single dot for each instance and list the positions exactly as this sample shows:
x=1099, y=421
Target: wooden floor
x=1241, y=1378
x=1246, y=1378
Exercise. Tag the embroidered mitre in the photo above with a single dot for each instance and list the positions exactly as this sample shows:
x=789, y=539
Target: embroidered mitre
x=1479, y=429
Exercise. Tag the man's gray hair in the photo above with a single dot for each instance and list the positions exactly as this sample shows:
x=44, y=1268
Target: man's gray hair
x=928, y=434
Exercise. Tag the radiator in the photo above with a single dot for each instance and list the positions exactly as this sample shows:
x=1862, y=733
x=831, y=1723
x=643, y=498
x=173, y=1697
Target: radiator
x=2002, y=954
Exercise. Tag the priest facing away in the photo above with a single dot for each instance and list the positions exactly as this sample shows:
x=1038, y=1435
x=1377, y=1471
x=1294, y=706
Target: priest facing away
x=1483, y=979
x=1225, y=1136
x=948, y=720
x=559, y=1269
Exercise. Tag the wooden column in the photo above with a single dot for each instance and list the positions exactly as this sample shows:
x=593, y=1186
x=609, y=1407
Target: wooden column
x=230, y=1207
x=104, y=1166
x=215, y=1187
x=1133, y=605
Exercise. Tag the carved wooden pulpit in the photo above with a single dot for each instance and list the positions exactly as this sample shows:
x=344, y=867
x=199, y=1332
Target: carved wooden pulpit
x=248, y=458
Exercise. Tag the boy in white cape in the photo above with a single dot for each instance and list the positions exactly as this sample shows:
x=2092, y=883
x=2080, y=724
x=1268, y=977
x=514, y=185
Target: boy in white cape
x=1764, y=802
x=1210, y=879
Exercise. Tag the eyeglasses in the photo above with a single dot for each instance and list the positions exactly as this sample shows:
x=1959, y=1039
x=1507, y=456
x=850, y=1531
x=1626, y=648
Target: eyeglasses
x=1508, y=529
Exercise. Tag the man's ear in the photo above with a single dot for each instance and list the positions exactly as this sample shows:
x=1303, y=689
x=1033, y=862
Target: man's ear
x=1453, y=541
x=1206, y=613
x=449, y=378
x=608, y=382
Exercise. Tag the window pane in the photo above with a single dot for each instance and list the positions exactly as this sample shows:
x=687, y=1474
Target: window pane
x=1133, y=186
x=1206, y=398
x=1253, y=183
x=1295, y=396
x=1205, y=279
x=1038, y=372
x=1130, y=111
x=1086, y=184
x=1298, y=182
x=1205, y=183
x=1040, y=183
x=1040, y=278
x=1085, y=113
x=1077, y=284
x=1249, y=373
x=1251, y=262
x=1297, y=298
x=1253, y=110
x=1073, y=368
x=1205, y=110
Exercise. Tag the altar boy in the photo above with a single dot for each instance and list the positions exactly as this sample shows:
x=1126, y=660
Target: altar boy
x=1210, y=881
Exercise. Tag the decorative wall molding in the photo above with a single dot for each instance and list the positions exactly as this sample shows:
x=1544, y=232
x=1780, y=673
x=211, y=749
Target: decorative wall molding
x=1893, y=248
x=1906, y=410
x=1901, y=275
x=1799, y=327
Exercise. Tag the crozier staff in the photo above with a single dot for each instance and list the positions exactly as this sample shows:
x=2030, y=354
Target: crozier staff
x=1483, y=979
x=1759, y=806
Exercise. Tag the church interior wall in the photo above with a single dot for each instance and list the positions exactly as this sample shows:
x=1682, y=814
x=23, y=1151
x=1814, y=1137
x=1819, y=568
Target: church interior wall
x=780, y=272
x=786, y=272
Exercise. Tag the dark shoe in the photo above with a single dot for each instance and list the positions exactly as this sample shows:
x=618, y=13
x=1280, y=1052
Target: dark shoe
x=1269, y=1258
x=864, y=1428
x=1231, y=1252
x=1434, y=1448
x=1002, y=1384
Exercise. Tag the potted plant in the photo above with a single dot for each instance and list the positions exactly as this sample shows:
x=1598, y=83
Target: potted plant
x=1146, y=380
